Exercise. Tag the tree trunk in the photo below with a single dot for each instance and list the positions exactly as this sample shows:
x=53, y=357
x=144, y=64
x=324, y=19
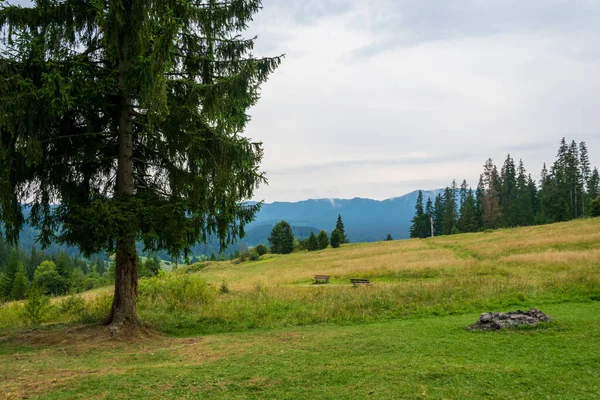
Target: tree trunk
x=123, y=313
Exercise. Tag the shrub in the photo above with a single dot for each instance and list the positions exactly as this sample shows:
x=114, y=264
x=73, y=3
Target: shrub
x=36, y=306
x=72, y=306
x=224, y=288
x=254, y=256
x=261, y=249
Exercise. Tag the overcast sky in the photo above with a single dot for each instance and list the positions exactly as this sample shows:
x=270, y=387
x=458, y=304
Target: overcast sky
x=377, y=98
x=381, y=97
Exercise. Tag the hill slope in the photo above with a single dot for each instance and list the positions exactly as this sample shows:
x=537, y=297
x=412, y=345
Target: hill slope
x=531, y=254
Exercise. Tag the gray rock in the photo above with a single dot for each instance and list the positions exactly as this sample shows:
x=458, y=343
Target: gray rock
x=498, y=320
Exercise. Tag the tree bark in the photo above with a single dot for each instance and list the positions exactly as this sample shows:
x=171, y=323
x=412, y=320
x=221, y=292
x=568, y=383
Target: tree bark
x=123, y=313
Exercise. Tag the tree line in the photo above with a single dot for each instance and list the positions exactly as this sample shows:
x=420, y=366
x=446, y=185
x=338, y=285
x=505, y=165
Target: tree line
x=282, y=240
x=509, y=197
x=57, y=273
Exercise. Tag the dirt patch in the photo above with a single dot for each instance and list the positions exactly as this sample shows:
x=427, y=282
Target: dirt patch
x=77, y=335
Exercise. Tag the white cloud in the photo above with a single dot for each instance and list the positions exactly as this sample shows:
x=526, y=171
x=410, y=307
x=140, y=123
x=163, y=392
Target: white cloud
x=457, y=96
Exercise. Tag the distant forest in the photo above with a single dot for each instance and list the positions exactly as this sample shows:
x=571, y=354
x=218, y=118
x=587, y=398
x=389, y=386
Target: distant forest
x=569, y=189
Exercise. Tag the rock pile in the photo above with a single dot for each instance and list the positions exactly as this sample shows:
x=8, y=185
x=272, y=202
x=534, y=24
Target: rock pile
x=498, y=320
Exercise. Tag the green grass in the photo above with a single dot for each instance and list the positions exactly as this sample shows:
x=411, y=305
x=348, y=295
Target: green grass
x=275, y=335
x=429, y=358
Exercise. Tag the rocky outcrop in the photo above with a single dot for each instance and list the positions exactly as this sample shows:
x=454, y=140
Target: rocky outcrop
x=498, y=320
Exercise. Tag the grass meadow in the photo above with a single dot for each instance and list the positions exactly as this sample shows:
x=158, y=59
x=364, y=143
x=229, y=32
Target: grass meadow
x=261, y=329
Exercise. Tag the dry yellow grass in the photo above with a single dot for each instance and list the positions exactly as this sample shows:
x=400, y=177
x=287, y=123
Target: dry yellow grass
x=530, y=253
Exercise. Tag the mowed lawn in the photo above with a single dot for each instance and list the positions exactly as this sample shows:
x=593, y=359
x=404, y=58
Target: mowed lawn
x=420, y=358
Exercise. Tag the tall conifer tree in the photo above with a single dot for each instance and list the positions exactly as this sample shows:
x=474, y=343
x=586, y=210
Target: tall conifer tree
x=129, y=115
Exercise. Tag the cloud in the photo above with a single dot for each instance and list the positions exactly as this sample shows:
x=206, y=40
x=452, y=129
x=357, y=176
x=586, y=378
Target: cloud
x=366, y=83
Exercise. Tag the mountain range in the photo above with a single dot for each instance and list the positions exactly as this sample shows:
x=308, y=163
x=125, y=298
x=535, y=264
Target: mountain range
x=365, y=220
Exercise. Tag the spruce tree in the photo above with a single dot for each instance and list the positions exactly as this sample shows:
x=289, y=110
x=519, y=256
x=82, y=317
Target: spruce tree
x=339, y=225
x=312, y=243
x=479, y=196
x=450, y=211
x=418, y=227
x=282, y=238
x=507, y=198
x=464, y=189
x=468, y=214
x=20, y=284
x=336, y=238
x=12, y=266
x=438, y=214
x=428, y=217
x=128, y=114
x=594, y=184
x=388, y=238
x=322, y=240
x=490, y=203
x=524, y=202
x=585, y=172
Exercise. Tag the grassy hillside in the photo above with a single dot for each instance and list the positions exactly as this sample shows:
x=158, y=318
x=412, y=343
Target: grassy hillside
x=273, y=334
x=531, y=255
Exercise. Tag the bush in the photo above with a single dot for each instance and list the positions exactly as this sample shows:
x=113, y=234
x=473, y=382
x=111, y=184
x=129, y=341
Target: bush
x=254, y=256
x=36, y=306
x=224, y=288
x=261, y=249
x=72, y=306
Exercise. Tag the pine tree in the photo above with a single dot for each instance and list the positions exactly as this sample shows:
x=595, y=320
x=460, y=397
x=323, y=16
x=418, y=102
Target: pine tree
x=479, y=196
x=594, y=184
x=428, y=217
x=450, y=217
x=507, y=198
x=12, y=266
x=129, y=115
x=490, y=203
x=312, y=243
x=575, y=181
x=524, y=202
x=438, y=214
x=418, y=227
x=388, y=238
x=468, y=214
x=282, y=238
x=463, y=192
x=20, y=284
x=585, y=172
x=336, y=238
x=339, y=225
x=322, y=240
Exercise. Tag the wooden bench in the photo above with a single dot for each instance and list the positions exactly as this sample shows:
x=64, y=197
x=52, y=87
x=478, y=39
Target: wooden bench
x=321, y=279
x=360, y=282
